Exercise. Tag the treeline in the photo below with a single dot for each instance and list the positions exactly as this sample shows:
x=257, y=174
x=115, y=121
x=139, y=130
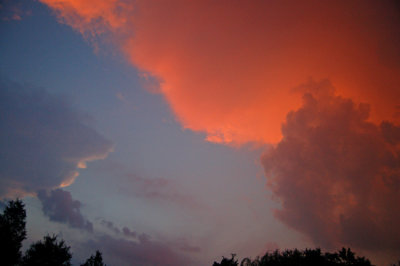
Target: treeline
x=308, y=257
x=50, y=251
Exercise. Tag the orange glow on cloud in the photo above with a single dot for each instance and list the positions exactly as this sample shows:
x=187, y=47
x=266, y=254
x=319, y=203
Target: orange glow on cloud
x=228, y=68
x=336, y=174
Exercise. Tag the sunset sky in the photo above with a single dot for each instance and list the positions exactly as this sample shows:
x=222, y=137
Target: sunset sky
x=177, y=132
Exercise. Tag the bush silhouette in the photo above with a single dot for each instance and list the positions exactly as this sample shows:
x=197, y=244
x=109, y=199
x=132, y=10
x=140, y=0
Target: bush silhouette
x=49, y=252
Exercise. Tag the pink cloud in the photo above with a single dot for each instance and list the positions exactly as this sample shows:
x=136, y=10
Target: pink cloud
x=336, y=174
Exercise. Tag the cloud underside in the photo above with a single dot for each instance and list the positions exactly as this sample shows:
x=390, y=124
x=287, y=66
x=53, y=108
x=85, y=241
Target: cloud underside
x=43, y=141
x=337, y=174
x=227, y=68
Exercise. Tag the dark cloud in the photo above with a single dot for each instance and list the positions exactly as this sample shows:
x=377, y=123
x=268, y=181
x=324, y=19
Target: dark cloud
x=111, y=226
x=59, y=206
x=43, y=140
x=179, y=244
x=116, y=230
x=128, y=233
x=337, y=174
x=144, y=252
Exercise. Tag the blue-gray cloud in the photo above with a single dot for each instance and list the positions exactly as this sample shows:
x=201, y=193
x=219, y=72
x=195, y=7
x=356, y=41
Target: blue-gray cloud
x=59, y=206
x=43, y=140
x=142, y=252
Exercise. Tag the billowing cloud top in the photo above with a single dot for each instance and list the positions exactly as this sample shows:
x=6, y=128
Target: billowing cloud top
x=43, y=141
x=336, y=174
x=227, y=68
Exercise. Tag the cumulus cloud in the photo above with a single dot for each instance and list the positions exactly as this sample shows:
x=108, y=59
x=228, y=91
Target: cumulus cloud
x=336, y=173
x=59, y=206
x=226, y=68
x=43, y=140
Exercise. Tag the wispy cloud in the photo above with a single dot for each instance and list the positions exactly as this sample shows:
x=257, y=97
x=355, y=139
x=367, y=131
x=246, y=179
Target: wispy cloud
x=125, y=231
x=142, y=252
x=160, y=190
x=13, y=10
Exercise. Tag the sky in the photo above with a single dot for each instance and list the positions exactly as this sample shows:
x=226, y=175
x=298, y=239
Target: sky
x=178, y=132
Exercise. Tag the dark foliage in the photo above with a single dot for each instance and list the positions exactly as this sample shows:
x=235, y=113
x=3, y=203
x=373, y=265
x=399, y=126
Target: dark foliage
x=227, y=262
x=96, y=260
x=48, y=252
x=308, y=257
x=12, y=232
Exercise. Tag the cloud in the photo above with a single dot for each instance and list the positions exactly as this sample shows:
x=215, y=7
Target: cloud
x=13, y=10
x=59, y=206
x=336, y=174
x=110, y=225
x=44, y=141
x=160, y=189
x=135, y=239
x=144, y=252
x=127, y=232
x=116, y=230
x=227, y=68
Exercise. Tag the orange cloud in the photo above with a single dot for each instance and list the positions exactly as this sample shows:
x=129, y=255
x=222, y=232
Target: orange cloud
x=91, y=16
x=227, y=68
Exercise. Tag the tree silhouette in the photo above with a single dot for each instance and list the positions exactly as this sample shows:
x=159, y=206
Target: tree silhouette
x=96, y=260
x=308, y=257
x=48, y=252
x=12, y=232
